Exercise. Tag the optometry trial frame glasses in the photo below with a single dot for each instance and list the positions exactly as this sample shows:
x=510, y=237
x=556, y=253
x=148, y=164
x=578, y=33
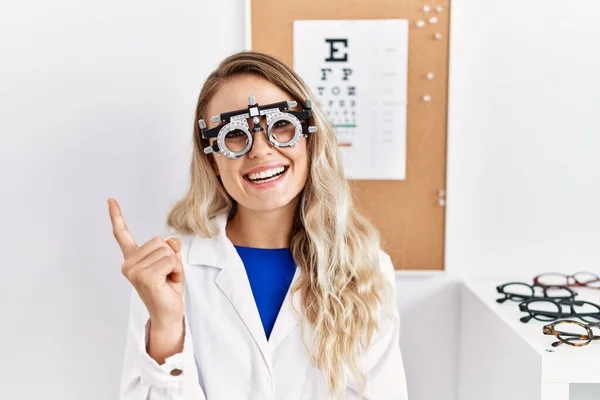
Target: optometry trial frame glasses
x=234, y=137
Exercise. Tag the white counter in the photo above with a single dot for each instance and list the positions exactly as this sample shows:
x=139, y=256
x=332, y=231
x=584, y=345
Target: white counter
x=501, y=358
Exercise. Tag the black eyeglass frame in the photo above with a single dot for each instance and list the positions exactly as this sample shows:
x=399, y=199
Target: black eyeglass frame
x=517, y=297
x=555, y=315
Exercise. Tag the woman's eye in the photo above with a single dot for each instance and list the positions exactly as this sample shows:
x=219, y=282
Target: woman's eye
x=281, y=124
x=235, y=134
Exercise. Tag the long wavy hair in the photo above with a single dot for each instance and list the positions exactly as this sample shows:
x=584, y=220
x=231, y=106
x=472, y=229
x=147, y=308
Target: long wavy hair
x=341, y=285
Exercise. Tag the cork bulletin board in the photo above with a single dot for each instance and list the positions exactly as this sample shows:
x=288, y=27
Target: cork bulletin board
x=408, y=213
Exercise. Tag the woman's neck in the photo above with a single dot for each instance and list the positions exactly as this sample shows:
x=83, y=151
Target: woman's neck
x=261, y=229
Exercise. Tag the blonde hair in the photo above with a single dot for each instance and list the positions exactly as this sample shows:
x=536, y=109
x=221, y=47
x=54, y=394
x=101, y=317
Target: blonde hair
x=341, y=285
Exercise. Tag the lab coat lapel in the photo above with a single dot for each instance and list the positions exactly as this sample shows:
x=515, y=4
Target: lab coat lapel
x=232, y=280
x=287, y=318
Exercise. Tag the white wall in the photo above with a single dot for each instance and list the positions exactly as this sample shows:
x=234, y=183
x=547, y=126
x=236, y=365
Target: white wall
x=97, y=100
x=429, y=315
x=524, y=137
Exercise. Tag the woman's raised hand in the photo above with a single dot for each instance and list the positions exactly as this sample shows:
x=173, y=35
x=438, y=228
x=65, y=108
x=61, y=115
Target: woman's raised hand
x=155, y=271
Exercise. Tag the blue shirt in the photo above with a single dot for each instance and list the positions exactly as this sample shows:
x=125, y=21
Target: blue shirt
x=270, y=273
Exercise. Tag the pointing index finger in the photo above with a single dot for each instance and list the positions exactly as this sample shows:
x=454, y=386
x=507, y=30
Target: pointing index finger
x=121, y=233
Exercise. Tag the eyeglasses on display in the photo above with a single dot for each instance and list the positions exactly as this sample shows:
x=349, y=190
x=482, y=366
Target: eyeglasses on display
x=518, y=291
x=573, y=333
x=548, y=310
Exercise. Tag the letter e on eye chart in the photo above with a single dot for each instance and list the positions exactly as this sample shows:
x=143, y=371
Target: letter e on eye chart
x=358, y=69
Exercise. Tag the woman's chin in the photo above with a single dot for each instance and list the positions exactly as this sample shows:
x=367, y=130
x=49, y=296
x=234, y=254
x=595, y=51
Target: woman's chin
x=275, y=203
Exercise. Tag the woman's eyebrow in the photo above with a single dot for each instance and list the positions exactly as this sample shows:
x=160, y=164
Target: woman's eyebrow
x=232, y=113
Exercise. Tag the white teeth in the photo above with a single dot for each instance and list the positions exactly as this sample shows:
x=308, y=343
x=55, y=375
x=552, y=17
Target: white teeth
x=266, y=174
x=268, y=180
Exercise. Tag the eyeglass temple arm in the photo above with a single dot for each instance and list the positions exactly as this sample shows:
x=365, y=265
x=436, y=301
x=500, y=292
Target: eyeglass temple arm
x=526, y=319
x=208, y=133
x=532, y=314
x=576, y=336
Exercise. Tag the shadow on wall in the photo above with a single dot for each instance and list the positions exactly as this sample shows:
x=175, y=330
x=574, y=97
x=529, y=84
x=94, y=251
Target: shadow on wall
x=429, y=306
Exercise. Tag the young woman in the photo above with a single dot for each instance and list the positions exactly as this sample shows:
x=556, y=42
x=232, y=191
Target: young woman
x=273, y=287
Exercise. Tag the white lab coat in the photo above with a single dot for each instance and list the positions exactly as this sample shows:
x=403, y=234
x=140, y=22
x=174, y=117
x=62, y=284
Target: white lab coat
x=226, y=355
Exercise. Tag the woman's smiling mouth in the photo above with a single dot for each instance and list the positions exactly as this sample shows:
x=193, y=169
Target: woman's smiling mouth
x=264, y=177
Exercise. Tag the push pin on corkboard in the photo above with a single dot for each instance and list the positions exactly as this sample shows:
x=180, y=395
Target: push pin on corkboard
x=442, y=197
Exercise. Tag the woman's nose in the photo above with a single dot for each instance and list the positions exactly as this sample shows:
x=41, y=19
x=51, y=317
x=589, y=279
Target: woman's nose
x=260, y=145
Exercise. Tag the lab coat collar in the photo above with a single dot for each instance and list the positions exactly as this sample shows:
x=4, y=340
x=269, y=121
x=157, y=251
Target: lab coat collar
x=220, y=253
x=211, y=252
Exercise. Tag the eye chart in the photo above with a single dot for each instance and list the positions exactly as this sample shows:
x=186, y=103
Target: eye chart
x=358, y=69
